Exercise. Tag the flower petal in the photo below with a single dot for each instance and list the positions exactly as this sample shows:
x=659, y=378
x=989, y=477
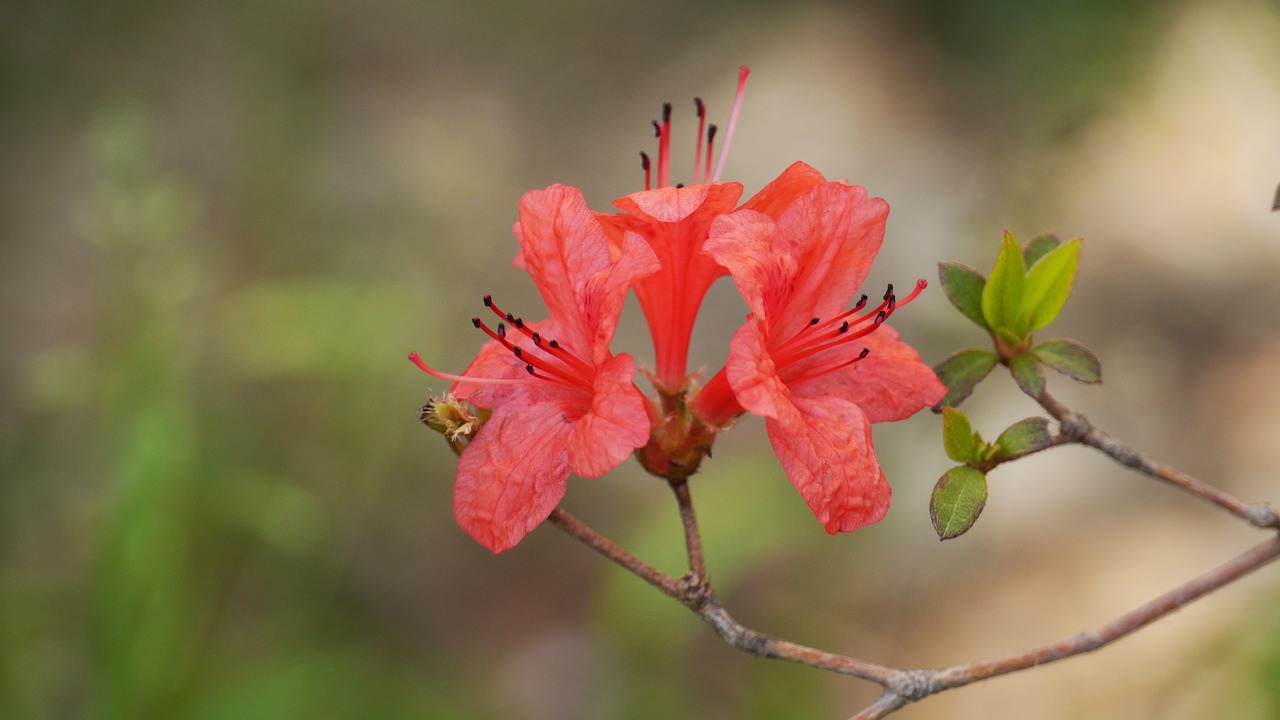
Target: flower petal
x=825, y=447
x=759, y=259
x=752, y=374
x=616, y=424
x=837, y=230
x=674, y=222
x=785, y=189
x=512, y=474
x=565, y=250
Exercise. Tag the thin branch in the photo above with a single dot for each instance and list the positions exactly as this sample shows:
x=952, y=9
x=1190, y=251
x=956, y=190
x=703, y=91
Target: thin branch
x=1134, y=620
x=606, y=547
x=759, y=644
x=903, y=687
x=696, y=593
x=1078, y=427
x=692, y=537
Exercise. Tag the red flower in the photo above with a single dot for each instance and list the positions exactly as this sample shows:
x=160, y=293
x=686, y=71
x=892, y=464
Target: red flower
x=819, y=374
x=561, y=400
x=675, y=222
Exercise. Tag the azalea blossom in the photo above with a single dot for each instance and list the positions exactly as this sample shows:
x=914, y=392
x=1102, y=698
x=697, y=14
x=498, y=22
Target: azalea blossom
x=820, y=374
x=562, y=402
x=558, y=401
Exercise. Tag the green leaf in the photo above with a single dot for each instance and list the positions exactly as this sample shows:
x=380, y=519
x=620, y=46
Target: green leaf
x=1048, y=284
x=1023, y=437
x=1026, y=371
x=963, y=286
x=1071, y=359
x=958, y=438
x=961, y=372
x=957, y=501
x=1002, y=295
x=1036, y=247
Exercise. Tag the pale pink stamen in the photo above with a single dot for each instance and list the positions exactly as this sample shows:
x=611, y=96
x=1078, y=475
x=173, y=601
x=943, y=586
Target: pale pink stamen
x=743, y=72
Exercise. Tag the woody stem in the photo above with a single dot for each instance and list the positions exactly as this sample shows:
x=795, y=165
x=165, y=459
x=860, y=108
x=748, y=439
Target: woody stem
x=606, y=547
x=692, y=537
x=1080, y=430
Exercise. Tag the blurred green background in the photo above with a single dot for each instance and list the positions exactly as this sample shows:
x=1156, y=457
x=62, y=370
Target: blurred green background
x=225, y=224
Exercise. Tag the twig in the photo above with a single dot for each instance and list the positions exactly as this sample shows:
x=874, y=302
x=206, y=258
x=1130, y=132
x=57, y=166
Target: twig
x=1078, y=427
x=903, y=687
x=692, y=538
x=606, y=547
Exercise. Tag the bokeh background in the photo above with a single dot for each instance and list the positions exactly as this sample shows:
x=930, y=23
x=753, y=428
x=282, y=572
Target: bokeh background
x=225, y=224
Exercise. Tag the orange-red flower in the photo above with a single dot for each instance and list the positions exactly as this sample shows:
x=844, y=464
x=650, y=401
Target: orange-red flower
x=818, y=373
x=561, y=400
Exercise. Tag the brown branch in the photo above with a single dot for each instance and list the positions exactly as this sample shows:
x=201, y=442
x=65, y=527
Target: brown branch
x=695, y=592
x=903, y=687
x=692, y=538
x=1082, y=431
x=606, y=547
x=761, y=645
x=922, y=683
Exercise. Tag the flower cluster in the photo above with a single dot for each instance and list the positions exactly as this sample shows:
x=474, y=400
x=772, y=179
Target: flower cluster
x=819, y=371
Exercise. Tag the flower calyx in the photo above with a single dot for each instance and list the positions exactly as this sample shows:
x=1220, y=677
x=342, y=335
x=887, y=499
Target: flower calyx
x=678, y=439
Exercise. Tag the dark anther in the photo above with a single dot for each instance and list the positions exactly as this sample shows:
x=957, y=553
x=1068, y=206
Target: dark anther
x=476, y=322
x=702, y=110
x=679, y=185
x=880, y=316
x=666, y=112
x=888, y=293
x=502, y=330
x=862, y=302
x=844, y=328
x=537, y=339
x=518, y=322
x=488, y=301
x=893, y=302
x=554, y=344
x=529, y=369
x=657, y=129
x=644, y=160
x=517, y=351
x=511, y=319
x=814, y=321
x=865, y=352
x=711, y=133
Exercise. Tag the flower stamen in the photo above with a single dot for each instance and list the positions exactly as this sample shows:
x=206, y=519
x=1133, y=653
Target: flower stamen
x=743, y=72
x=701, y=162
x=819, y=336
x=547, y=360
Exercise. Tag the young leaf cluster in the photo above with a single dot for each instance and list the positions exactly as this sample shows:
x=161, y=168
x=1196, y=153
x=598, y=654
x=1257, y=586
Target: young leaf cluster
x=1023, y=294
x=961, y=493
x=1025, y=291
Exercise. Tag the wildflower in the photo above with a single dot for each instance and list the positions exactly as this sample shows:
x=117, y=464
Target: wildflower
x=562, y=402
x=819, y=374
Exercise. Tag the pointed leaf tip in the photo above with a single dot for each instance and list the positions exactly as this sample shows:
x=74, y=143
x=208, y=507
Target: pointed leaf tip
x=957, y=501
x=958, y=439
x=1002, y=295
x=963, y=286
x=1071, y=359
x=1048, y=284
x=1038, y=246
x=1023, y=438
